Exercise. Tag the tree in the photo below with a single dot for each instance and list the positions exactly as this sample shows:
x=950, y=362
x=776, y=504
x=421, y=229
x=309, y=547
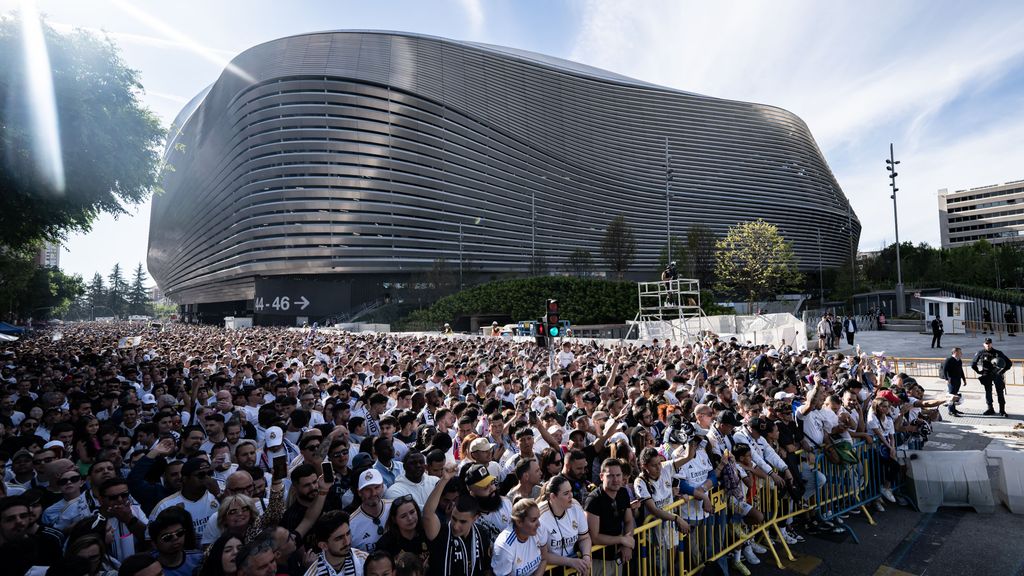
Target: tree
x=117, y=292
x=49, y=293
x=678, y=256
x=16, y=269
x=96, y=293
x=109, y=142
x=580, y=263
x=138, y=298
x=539, y=264
x=618, y=247
x=700, y=251
x=755, y=261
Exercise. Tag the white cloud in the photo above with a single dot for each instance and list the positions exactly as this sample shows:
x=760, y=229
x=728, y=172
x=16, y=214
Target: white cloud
x=474, y=10
x=138, y=39
x=852, y=71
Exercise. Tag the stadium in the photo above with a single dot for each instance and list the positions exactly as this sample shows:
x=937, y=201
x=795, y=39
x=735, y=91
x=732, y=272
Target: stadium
x=325, y=171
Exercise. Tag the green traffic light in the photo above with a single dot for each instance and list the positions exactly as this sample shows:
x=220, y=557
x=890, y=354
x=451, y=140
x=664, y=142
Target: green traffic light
x=553, y=331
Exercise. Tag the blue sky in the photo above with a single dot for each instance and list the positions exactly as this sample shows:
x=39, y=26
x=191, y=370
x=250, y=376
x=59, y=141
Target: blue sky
x=943, y=80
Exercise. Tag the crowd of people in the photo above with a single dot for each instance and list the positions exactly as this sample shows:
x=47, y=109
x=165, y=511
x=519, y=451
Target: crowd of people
x=211, y=452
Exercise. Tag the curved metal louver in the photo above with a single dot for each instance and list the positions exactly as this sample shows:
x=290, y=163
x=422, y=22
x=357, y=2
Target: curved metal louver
x=364, y=152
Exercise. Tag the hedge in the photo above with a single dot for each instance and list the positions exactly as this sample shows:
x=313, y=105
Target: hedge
x=582, y=301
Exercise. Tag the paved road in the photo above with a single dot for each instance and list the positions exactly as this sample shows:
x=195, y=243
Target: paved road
x=953, y=541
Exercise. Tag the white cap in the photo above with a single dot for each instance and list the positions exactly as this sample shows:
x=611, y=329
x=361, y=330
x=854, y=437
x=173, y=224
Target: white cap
x=148, y=399
x=370, y=477
x=275, y=437
x=781, y=395
x=54, y=444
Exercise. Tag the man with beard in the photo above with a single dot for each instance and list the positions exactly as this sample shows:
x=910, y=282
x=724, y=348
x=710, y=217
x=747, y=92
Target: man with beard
x=337, y=557
x=21, y=550
x=458, y=547
x=414, y=481
x=495, y=509
x=369, y=518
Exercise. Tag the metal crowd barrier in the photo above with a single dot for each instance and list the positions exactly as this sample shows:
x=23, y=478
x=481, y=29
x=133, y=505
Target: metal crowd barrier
x=932, y=367
x=838, y=488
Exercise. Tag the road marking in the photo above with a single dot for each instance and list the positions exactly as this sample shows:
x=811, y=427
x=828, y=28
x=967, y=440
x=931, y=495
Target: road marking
x=950, y=436
x=940, y=445
x=884, y=570
x=803, y=564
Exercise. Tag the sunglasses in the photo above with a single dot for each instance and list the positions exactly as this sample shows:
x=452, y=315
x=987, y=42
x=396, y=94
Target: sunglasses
x=201, y=474
x=172, y=536
x=69, y=480
x=312, y=446
x=42, y=461
x=380, y=529
x=119, y=496
x=402, y=500
x=341, y=454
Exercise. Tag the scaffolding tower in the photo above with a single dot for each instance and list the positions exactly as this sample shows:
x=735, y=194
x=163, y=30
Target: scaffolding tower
x=664, y=309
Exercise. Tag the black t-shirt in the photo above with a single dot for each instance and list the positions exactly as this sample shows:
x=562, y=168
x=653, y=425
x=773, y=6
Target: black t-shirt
x=612, y=513
x=450, y=556
x=392, y=542
x=293, y=515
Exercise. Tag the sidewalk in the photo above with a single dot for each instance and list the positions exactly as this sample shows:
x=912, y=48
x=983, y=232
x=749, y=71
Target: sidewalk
x=971, y=431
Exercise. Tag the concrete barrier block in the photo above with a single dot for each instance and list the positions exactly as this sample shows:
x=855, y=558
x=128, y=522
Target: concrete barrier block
x=951, y=479
x=1010, y=485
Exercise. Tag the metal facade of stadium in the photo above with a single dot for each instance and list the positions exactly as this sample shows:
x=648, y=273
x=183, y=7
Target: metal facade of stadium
x=361, y=154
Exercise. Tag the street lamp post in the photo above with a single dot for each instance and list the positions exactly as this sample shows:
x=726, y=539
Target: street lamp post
x=460, y=255
x=668, y=201
x=890, y=165
x=821, y=277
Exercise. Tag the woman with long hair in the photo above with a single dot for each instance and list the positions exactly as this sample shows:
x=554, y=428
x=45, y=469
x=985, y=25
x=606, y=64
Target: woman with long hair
x=564, y=524
x=518, y=549
x=550, y=463
x=220, y=557
x=403, y=531
x=86, y=441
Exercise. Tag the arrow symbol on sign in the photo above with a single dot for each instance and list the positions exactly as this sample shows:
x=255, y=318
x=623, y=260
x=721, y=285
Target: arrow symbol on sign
x=302, y=302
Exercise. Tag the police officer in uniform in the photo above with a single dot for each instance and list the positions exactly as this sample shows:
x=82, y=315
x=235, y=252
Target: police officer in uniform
x=990, y=365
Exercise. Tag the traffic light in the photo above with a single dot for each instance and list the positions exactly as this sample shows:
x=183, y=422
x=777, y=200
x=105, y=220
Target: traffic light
x=538, y=334
x=551, y=319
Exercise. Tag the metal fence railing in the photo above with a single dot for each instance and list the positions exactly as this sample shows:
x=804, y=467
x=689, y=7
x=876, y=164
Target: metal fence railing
x=839, y=486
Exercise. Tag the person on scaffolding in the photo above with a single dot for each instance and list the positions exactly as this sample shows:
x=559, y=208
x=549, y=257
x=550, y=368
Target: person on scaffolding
x=667, y=275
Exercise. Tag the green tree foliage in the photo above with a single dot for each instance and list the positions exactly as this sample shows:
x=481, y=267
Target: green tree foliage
x=755, y=262
x=109, y=141
x=96, y=292
x=16, y=269
x=580, y=263
x=50, y=293
x=679, y=256
x=700, y=252
x=982, y=265
x=138, y=297
x=618, y=247
x=117, y=291
x=582, y=301
x=30, y=291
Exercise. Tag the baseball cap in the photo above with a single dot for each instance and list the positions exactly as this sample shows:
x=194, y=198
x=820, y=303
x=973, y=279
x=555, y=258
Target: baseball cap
x=275, y=437
x=888, y=395
x=688, y=433
x=477, y=475
x=148, y=399
x=22, y=453
x=988, y=340
x=54, y=444
x=783, y=395
x=773, y=353
x=361, y=460
x=370, y=477
x=481, y=445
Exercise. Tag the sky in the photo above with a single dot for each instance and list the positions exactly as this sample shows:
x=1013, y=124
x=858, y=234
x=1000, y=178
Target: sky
x=941, y=80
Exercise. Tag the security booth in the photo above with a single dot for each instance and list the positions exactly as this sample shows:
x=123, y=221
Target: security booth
x=948, y=309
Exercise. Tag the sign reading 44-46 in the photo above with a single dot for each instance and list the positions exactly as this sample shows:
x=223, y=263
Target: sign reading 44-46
x=301, y=297
x=282, y=303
